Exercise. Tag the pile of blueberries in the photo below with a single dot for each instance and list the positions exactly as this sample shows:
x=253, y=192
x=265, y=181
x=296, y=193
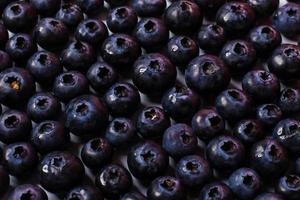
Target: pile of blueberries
x=149, y=99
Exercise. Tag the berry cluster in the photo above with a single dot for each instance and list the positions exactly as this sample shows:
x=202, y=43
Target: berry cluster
x=149, y=99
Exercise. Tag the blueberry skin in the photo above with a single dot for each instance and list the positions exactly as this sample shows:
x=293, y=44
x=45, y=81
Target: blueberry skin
x=122, y=99
x=114, y=3
x=16, y=86
x=5, y=60
x=211, y=38
x=289, y=186
x=179, y=140
x=120, y=50
x=284, y=61
x=269, y=158
x=153, y=74
x=85, y=115
x=287, y=132
x=19, y=158
x=19, y=17
x=15, y=126
x=120, y=132
x=193, y=171
x=44, y=66
x=49, y=136
x=51, y=34
x=183, y=17
x=69, y=85
x=4, y=179
x=149, y=8
x=147, y=160
x=84, y=192
x=70, y=14
x=91, y=31
x=3, y=35
x=28, y=191
x=249, y=131
x=236, y=18
x=269, y=196
x=233, y=104
x=207, y=124
x=78, y=56
x=182, y=49
x=217, y=190
x=239, y=56
x=152, y=121
x=180, y=102
x=96, y=153
x=133, y=196
x=43, y=106
x=261, y=85
x=286, y=19
x=122, y=19
x=289, y=101
x=225, y=152
x=46, y=7
x=60, y=171
x=210, y=7
x=269, y=114
x=245, y=183
x=90, y=7
x=151, y=33
x=114, y=180
x=166, y=187
x=102, y=76
x=20, y=47
x=264, y=8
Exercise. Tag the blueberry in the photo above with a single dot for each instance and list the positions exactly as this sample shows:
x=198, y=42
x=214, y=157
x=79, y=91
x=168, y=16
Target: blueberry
x=269, y=196
x=264, y=8
x=3, y=35
x=4, y=179
x=84, y=192
x=5, y=60
x=289, y=101
x=133, y=196
x=114, y=3
x=149, y=8
x=90, y=7
x=70, y=14
x=46, y=7
x=289, y=186
x=28, y=191
x=210, y=7
x=60, y=171
x=215, y=190
x=269, y=114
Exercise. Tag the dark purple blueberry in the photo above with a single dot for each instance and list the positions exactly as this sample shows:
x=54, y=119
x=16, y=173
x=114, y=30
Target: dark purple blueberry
x=15, y=126
x=289, y=187
x=92, y=31
x=289, y=101
x=269, y=158
x=153, y=74
x=182, y=49
x=60, y=171
x=207, y=124
x=70, y=14
x=264, y=8
x=207, y=74
x=114, y=3
x=193, y=171
x=166, y=187
x=44, y=66
x=49, y=136
x=245, y=183
x=122, y=19
x=96, y=153
x=265, y=39
x=43, y=106
x=183, y=17
x=133, y=196
x=85, y=115
x=19, y=16
x=180, y=102
x=149, y=8
x=28, y=191
x=120, y=50
x=90, y=7
x=269, y=114
x=19, y=158
x=269, y=196
x=239, y=56
x=215, y=191
x=233, y=104
x=51, y=34
x=152, y=121
x=179, y=140
x=151, y=33
x=210, y=7
x=120, y=132
x=69, y=85
x=3, y=34
x=84, y=192
x=4, y=179
x=5, y=60
x=16, y=86
x=236, y=18
x=211, y=38
x=46, y=7
x=114, y=180
x=225, y=152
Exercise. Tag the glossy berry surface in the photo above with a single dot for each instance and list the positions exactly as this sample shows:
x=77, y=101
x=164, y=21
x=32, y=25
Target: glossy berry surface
x=28, y=191
x=269, y=114
x=84, y=192
x=217, y=190
x=149, y=8
x=289, y=100
x=264, y=7
x=70, y=14
x=289, y=186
